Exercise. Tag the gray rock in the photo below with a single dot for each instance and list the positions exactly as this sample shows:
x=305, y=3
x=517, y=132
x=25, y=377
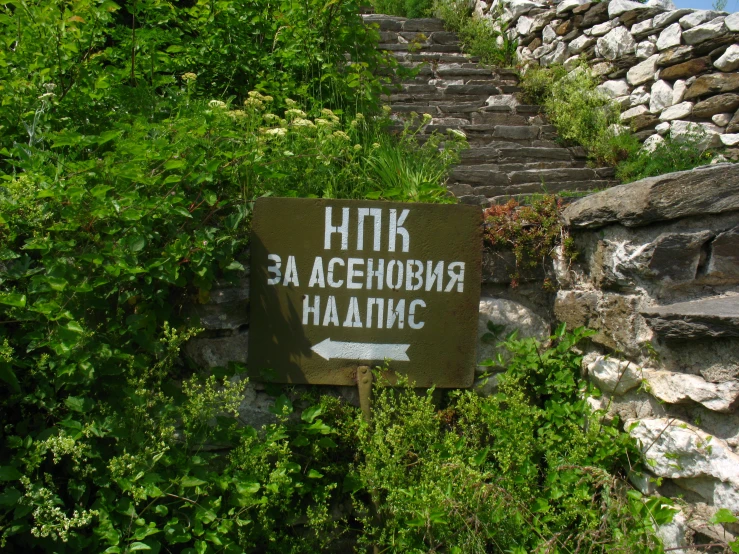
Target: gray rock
x=663, y=5
x=218, y=352
x=716, y=104
x=705, y=31
x=730, y=139
x=618, y=42
x=698, y=17
x=598, y=13
x=618, y=7
x=630, y=114
x=556, y=56
x=548, y=35
x=602, y=68
x=664, y=19
x=660, y=96
x=678, y=111
x=675, y=256
x=676, y=55
x=724, y=260
x=678, y=91
x=663, y=128
x=227, y=307
x=707, y=134
x=645, y=49
x=254, y=409
x=424, y=25
x=639, y=96
x=665, y=441
x=705, y=190
x=669, y=37
x=614, y=88
x=705, y=318
x=642, y=28
x=732, y=22
x=614, y=376
x=729, y=60
x=643, y=72
x=722, y=120
x=507, y=316
x=517, y=8
x=569, y=5
x=527, y=25
x=580, y=43
x=652, y=142
x=603, y=28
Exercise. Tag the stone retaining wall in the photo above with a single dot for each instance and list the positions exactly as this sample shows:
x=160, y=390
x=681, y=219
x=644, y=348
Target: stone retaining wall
x=671, y=70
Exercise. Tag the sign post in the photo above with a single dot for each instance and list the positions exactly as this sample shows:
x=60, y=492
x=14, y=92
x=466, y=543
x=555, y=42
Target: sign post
x=340, y=285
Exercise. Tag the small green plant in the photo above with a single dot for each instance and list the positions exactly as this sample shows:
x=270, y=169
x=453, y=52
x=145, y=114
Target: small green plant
x=485, y=38
x=531, y=232
x=403, y=8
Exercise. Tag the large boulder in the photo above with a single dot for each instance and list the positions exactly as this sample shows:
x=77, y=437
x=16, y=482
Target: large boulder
x=705, y=190
x=616, y=43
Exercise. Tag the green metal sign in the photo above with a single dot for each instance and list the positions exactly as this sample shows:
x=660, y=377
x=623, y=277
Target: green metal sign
x=338, y=284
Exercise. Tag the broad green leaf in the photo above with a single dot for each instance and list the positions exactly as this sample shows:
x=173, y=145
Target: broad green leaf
x=191, y=481
x=13, y=299
x=79, y=404
x=138, y=546
x=9, y=473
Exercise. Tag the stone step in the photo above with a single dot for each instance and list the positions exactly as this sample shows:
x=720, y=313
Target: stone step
x=482, y=194
x=514, y=154
x=393, y=23
x=492, y=174
x=433, y=37
x=415, y=47
x=437, y=57
x=711, y=317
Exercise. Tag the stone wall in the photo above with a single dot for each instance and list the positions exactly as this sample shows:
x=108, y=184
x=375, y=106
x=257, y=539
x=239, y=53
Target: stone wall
x=671, y=70
x=658, y=282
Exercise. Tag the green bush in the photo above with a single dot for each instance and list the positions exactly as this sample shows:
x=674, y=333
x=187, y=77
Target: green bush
x=404, y=8
x=481, y=37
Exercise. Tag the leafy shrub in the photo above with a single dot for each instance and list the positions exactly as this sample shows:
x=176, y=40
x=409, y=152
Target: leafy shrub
x=404, y=8
x=481, y=37
x=680, y=154
x=532, y=232
x=526, y=470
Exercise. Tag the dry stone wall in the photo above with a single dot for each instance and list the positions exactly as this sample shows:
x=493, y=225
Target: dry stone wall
x=671, y=70
x=657, y=279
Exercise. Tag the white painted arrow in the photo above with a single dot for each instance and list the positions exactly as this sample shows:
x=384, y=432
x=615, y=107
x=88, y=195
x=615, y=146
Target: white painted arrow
x=328, y=349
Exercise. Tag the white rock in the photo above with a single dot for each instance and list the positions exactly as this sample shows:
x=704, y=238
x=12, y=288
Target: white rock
x=512, y=316
x=527, y=25
x=548, y=35
x=665, y=441
x=661, y=96
x=569, y=5
x=643, y=72
x=678, y=91
x=613, y=376
x=615, y=129
x=663, y=128
x=542, y=50
x=641, y=27
x=617, y=7
x=601, y=68
x=503, y=100
x=603, y=28
x=652, y=141
x=678, y=388
x=678, y=111
x=617, y=42
x=730, y=139
x=707, y=135
x=697, y=17
x=729, y=60
x=571, y=63
x=664, y=19
x=722, y=119
x=628, y=115
x=624, y=102
x=732, y=22
x=614, y=88
x=674, y=534
x=661, y=4
x=558, y=55
x=517, y=8
x=669, y=37
x=639, y=96
x=580, y=43
x=704, y=32
x=645, y=49
x=690, y=80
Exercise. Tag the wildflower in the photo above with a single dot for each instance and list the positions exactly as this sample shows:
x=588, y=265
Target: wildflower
x=271, y=117
x=300, y=122
x=323, y=122
x=375, y=145
x=189, y=76
x=327, y=112
x=237, y=114
x=267, y=99
x=354, y=124
x=357, y=147
x=216, y=104
x=46, y=96
x=290, y=102
x=427, y=117
x=294, y=112
x=360, y=117
x=341, y=135
x=386, y=110
x=457, y=133
x=253, y=103
x=276, y=132
x=255, y=94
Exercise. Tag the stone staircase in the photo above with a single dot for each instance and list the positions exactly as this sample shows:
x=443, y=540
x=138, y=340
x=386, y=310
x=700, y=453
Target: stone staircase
x=513, y=152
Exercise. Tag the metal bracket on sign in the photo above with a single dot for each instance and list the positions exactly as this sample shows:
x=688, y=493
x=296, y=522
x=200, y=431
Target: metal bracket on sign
x=364, y=386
